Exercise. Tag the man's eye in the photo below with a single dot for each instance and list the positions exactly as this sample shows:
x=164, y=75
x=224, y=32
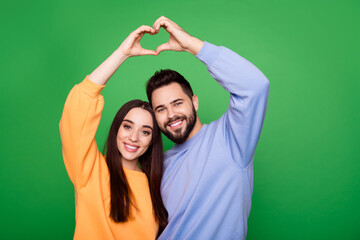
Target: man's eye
x=178, y=103
x=160, y=109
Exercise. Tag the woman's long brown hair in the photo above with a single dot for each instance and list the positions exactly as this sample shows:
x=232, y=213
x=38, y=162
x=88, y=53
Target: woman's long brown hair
x=151, y=164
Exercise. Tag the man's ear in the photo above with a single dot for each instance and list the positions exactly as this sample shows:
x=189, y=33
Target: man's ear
x=195, y=102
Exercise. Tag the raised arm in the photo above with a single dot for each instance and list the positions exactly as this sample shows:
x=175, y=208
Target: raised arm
x=78, y=125
x=247, y=85
x=130, y=47
x=83, y=109
x=248, y=88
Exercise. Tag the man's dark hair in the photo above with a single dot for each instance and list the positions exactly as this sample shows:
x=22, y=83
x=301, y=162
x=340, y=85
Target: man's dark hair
x=165, y=77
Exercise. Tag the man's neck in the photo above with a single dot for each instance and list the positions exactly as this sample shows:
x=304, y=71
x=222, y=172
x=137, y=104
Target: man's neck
x=196, y=128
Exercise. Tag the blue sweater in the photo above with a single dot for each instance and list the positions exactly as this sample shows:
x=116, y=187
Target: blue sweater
x=208, y=180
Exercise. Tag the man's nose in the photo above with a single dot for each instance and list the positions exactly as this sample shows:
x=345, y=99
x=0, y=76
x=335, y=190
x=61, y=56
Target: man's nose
x=170, y=113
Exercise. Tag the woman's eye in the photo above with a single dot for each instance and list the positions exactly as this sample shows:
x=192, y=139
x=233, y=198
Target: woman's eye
x=146, y=133
x=127, y=126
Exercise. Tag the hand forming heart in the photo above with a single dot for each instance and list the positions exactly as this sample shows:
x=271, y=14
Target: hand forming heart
x=179, y=39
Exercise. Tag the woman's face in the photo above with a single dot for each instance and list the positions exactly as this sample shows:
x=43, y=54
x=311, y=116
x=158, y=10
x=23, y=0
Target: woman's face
x=134, y=136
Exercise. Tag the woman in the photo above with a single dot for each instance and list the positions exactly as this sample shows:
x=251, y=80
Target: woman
x=116, y=198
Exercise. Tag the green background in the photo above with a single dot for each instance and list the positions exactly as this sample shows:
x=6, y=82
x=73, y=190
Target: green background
x=306, y=182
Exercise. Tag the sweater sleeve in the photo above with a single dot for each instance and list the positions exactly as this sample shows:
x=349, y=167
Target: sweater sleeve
x=248, y=88
x=78, y=125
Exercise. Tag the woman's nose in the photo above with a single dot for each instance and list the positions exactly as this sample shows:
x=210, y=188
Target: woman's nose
x=134, y=136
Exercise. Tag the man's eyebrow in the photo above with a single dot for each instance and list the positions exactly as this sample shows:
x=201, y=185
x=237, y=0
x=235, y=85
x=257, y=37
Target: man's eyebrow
x=172, y=102
x=160, y=106
x=129, y=121
x=176, y=100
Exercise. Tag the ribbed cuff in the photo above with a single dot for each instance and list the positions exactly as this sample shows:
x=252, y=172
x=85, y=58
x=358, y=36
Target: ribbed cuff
x=91, y=88
x=208, y=53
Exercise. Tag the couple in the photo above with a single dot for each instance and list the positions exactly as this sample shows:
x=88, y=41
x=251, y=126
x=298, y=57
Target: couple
x=202, y=187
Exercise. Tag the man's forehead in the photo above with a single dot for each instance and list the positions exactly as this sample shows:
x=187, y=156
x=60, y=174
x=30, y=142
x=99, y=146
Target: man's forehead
x=167, y=94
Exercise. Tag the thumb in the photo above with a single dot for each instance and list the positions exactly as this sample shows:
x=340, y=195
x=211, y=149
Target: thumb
x=148, y=52
x=162, y=47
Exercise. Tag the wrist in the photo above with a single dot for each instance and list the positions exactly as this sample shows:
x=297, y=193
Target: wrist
x=121, y=54
x=195, y=46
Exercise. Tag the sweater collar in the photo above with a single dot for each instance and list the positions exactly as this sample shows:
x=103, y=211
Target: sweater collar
x=191, y=141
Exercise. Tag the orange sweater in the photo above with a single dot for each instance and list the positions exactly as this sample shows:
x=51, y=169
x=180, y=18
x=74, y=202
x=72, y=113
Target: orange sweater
x=88, y=172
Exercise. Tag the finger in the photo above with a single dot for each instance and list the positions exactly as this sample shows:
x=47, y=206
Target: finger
x=140, y=35
x=162, y=47
x=166, y=25
x=143, y=29
x=162, y=18
x=147, y=52
x=161, y=22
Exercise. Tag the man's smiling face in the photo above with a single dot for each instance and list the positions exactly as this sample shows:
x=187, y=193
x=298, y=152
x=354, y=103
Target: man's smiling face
x=175, y=112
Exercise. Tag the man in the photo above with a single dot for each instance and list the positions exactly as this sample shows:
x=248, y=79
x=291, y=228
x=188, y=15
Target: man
x=208, y=177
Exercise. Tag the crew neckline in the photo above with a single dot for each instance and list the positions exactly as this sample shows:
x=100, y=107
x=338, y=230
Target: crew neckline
x=133, y=172
x=191, y=141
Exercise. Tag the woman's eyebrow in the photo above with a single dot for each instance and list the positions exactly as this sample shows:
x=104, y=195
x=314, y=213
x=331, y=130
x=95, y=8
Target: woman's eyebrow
x=129, y=121
x=145, y=126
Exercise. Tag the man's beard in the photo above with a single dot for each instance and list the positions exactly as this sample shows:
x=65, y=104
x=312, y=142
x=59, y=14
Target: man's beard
x=180, y=137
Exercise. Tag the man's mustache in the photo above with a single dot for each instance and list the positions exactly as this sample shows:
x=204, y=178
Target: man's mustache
x=175, y=118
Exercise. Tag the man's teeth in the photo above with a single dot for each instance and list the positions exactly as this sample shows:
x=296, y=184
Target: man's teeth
x=175, y=124
x=131, y=147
